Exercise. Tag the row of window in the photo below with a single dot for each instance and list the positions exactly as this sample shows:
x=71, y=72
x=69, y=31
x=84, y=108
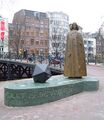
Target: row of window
x=58, y=37
x=88, y=42
x=59, y=30
x=56, y=45
x=36, y=33
x=59, y=23
x=100, y=49
x=89, y=48
x=35, y=20
x=59, y=16
x=32, y=42
x=36, y=25
x=89, y=55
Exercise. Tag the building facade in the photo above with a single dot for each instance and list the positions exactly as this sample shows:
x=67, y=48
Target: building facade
x=30, y=32
x=58, y=29
x=11, y=37
x=100, y=42
x=3, y=35
x=90, y=46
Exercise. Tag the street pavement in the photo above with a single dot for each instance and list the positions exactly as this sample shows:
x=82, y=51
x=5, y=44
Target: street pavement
x=83, y=106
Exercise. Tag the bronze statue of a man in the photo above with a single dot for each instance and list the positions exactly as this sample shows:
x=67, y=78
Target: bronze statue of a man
x=74, y=64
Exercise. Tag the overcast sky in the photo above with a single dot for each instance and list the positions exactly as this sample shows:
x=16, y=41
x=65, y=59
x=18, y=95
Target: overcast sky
x=87, y=13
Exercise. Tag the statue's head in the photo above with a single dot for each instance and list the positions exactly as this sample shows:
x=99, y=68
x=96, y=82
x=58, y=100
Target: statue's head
x=74, y=26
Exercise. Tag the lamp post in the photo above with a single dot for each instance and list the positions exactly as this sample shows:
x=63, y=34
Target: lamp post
x=2, y=49
x=41, y=55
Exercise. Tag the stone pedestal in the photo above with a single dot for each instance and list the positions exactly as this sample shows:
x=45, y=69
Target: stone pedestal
x=28, y=93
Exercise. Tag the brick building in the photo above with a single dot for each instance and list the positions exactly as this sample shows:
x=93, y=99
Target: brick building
x=29, y=31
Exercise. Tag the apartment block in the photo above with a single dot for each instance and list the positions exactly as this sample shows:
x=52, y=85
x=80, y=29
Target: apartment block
x=30, y=31
x=58, y=29
x=90, y=46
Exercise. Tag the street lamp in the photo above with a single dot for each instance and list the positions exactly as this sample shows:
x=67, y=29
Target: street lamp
x=1, y=49
x=41, y=55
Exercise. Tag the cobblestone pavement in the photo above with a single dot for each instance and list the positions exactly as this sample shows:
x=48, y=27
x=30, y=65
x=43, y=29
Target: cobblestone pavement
x=82, y=106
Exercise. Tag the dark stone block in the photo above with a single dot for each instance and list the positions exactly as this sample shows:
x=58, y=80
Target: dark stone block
x=41, y=73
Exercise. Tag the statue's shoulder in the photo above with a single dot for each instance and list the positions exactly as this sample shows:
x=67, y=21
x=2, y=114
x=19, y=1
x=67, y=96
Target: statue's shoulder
x=73, y=33
x=79, y=34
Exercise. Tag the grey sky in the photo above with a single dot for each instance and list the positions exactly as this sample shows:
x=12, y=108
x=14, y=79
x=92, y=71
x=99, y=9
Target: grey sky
x=87, y=13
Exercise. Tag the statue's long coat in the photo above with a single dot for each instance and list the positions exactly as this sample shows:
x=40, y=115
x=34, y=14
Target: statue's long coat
x=74, y=64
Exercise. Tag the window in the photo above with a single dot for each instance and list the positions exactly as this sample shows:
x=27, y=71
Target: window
x=85, y=42
x=11, y=32
x=46, y=32
x=46, y=42
x=41, y=42
x=37, y=42
x=85, y=48
x=90, y=48
x=41, y=31
x=32, y=41
x=90, y=42
x=32, y=33
x=22, y=42
x=41, y=22
x=37, y=32
x=90, y=55
x=27, y=33
x=37, y=51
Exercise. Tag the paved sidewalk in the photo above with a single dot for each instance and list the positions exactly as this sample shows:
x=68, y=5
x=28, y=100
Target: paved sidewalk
x=82, y=106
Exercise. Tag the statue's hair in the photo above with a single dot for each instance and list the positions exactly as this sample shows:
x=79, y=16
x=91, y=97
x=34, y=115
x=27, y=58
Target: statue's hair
x=74, y=26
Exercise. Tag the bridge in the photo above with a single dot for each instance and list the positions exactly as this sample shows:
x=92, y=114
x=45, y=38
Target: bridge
x=11, y=69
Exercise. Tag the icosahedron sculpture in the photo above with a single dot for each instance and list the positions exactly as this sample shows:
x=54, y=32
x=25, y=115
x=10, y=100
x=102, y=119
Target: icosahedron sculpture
x=41, y=73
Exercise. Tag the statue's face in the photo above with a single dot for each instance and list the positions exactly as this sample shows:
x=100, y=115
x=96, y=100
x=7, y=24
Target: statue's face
x=74, y=26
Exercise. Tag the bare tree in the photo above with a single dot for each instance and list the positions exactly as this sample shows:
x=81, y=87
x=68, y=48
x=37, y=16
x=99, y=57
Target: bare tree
x=100, y=45
x=14, y=38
